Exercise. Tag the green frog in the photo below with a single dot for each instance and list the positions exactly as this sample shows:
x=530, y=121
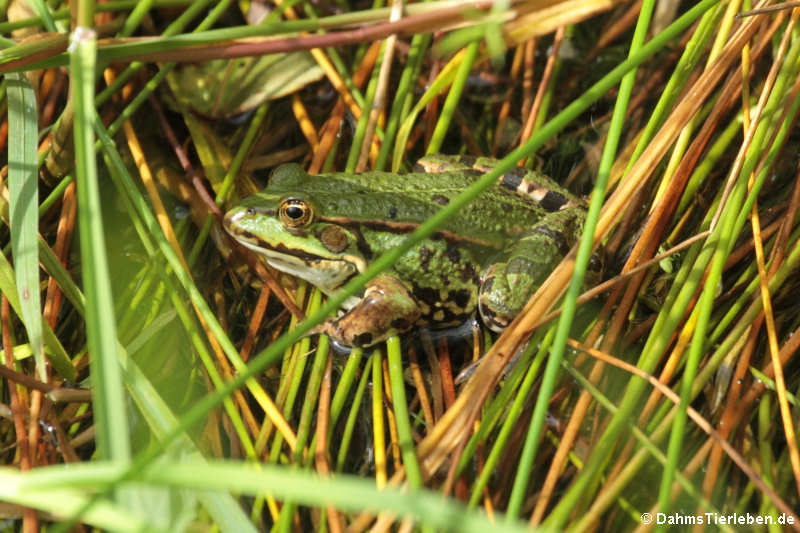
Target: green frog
x=491, y=256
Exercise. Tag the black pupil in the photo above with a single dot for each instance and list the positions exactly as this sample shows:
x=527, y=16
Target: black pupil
x=294, y=212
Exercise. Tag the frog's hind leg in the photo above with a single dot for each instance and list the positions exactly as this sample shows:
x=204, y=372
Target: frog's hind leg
x=507, y=286
x=386, y=309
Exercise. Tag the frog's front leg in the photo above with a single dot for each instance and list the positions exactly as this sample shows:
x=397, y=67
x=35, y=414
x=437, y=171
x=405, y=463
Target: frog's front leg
x=386, y=309
x=507, y=286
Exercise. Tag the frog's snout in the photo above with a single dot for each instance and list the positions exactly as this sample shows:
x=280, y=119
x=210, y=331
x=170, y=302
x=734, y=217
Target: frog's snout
x=231, y=217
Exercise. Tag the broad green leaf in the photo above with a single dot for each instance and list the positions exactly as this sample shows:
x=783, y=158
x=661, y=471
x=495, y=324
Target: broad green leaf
x=23, y=187
x=230, y=87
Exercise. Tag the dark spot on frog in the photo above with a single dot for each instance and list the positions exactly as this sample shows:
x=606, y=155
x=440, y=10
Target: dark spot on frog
x=418, y=169
x=400, y=324
x=427, y=295
x=558, y=238
x=452, y=253
x=334, y=239
x=363, y=339
x=553, y=201
x=513, y=178
x=460, y=297
x=361, y=243
x=468, y=273
x=440, y=199
x=467, y=160
x=392, y=214
x=442, y=316
x=425, y=255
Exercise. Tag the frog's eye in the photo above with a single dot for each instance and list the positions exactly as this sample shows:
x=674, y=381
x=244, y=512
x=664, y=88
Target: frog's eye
x=295, y=213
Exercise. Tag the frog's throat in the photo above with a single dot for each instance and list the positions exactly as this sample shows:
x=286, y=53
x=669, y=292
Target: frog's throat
x=326, y=273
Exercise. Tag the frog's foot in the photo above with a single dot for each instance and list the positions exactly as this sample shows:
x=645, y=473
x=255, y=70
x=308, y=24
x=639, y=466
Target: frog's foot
x=506, y=287
x=499, y=299
x=386, y=309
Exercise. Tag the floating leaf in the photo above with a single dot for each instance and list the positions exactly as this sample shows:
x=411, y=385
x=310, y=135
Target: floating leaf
x=229, y=87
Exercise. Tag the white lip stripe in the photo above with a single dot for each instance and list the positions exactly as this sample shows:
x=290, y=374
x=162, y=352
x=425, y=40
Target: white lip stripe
x=327, y=279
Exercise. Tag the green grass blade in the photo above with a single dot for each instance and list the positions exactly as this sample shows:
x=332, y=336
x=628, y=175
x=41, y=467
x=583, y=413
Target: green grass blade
x=453, y=97
x=400, y=406
x=65, y=500
x=108, y=400
x=346, y=492
x=43, y=10
x=23, y=186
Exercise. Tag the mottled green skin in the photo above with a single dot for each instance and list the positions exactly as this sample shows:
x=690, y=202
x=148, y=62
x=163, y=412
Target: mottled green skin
x=357, y=217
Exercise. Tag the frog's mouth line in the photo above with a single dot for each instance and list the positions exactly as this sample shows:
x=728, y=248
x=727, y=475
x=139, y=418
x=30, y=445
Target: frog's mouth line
x=326, y=273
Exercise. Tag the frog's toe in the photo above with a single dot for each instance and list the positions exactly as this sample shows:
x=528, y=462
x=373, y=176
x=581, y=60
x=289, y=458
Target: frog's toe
x=494, y=299
x=494, y=321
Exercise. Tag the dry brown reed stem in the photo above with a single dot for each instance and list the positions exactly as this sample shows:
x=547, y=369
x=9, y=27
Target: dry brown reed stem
x=18, y=411
x=64, y=446
x=200, y=200
x=321, y=461
x=184, y=160
x=419, y=383
x=542, y=17
x=11, y=375
x=66, y=225
x=788, y=350
x=255, y=322
x=528, y=77
x=617, y=28
x=388, y=403
x=49, y=107
x=549, y=67
x=437, y=388
x=329, y=131
x=418, y=23
x=505, y=107
x=54, y=298
x=304, y=121
x=379, y=101
x=257, y=266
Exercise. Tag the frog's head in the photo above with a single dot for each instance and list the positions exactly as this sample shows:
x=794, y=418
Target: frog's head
x=283, y=224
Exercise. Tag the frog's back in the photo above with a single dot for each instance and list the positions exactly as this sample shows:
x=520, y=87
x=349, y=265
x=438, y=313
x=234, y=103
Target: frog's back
x=397, y=199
